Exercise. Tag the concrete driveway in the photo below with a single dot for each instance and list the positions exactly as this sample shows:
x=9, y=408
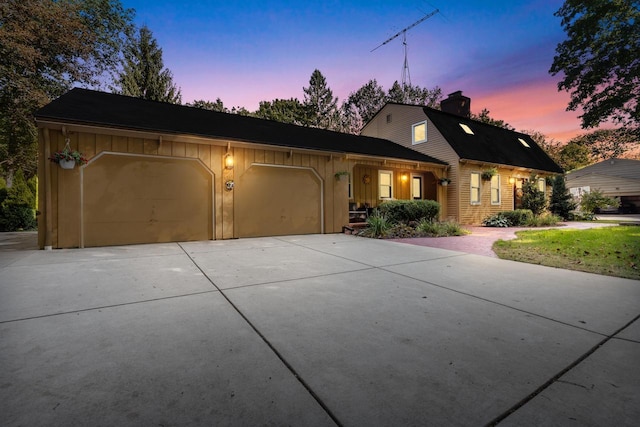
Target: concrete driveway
x=311, y=331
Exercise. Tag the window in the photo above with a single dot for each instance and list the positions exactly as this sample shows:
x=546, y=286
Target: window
x=542, y=184
x=475, y=188
x=416, y=187
x=389, y=118
x=385, y=182
x=523, y=142
x=466, y=129
x=419, y=133
x=350, y=188
x=495, y=190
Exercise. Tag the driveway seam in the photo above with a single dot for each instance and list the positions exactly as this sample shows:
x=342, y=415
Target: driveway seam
x=496, y=303
x=557, y=376
x=106, y=306
x=290, y=367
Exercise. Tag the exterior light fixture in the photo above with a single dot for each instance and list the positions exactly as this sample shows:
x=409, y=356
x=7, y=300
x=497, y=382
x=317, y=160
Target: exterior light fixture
x=228, y=161
x=512, y=180
x=404, y=177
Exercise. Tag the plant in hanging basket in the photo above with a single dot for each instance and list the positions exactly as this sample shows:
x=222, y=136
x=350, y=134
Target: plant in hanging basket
x=67, y=155
x=488, y=174
x=444, y=181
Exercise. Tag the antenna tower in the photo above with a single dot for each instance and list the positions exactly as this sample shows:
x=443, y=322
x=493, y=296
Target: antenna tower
x=406, y=76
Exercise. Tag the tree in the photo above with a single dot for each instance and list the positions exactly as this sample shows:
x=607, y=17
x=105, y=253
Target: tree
x=605, y=144
x=143, y=74
x=574, y=155
x=283, y=110
x=208, y=105
x=362, y=105
x=47, y=46
x=485, y=118
x=320, y=103
x=600, y=60
x=561, y=202
x=532, y=198
x=414, y=95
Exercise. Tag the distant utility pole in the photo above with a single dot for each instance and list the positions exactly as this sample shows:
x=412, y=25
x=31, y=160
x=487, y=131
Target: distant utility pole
x=406, y=76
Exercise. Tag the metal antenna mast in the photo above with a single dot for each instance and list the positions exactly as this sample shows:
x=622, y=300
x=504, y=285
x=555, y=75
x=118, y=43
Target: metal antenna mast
x=405, y=67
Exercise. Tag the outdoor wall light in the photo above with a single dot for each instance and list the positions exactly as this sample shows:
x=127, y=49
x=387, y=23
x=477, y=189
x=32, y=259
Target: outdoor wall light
x=404, y=177
x=228, y=161
x=512, y=180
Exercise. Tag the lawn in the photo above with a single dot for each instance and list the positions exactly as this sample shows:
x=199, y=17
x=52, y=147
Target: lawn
x=612, y=251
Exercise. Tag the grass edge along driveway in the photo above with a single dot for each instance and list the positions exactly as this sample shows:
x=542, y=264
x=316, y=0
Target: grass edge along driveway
x=610, y=251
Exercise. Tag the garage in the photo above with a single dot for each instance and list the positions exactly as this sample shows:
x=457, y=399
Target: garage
x=276, y=200
x=131, y=199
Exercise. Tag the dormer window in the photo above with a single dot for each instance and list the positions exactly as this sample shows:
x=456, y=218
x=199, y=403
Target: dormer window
x=419, y=133
x=466, y=129
x=523, y=142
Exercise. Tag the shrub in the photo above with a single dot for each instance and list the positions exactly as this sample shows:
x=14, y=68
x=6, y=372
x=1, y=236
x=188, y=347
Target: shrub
x=518, y=217
x=406, y=211
x=440, y=229
x=595, y=199
x=17, y=209
x=532, y=198
x=496, y=220
x=378, y=225
x=561, y=203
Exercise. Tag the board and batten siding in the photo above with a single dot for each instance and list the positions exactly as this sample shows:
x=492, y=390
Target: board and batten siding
x=64, y=215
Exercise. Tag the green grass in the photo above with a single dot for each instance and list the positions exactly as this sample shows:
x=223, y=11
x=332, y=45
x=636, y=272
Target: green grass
x=612, y=251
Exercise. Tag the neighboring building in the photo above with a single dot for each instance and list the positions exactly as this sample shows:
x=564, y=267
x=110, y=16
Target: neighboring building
x=473, y=149
x=619, y=178
x=160, y=172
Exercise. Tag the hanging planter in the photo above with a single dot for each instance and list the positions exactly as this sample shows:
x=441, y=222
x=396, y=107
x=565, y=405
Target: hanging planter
x=444, y=181
x=488, y=174
x=342, y=175
x=68, y=158
x=67, y=164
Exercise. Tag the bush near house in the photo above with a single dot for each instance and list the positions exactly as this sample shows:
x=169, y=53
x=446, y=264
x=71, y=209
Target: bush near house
x=532, y=198
x=520, y=218
x=398, y=219
x=516, y=218
x=17, y=206
x=406, y=211
x=596, y=200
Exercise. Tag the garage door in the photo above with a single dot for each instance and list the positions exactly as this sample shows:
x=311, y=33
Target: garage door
x=139, y=199
x=276, y=201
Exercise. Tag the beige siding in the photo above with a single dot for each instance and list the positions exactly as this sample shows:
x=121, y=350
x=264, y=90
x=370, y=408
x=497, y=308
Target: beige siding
x=65, y=212
x=611, y=186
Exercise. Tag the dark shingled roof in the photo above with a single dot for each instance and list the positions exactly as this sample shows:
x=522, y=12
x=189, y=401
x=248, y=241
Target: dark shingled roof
x=88, y=107
x=490, y=144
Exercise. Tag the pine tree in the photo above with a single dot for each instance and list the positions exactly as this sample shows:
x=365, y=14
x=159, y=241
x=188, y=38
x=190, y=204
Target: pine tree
x=143, y=75
x=320, y=103
x=561, y=202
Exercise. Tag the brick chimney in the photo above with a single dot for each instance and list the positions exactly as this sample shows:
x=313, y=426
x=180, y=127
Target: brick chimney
x=457, y=104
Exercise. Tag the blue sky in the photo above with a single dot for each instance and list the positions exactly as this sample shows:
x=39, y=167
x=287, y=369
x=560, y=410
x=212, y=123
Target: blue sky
x=497, y=52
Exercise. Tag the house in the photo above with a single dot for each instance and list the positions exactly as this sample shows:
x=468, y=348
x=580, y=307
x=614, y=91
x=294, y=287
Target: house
x=618, y=178
x=488, y=164
x=160, y=172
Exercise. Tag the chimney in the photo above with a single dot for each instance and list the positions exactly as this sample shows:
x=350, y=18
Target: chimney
x=457, y=104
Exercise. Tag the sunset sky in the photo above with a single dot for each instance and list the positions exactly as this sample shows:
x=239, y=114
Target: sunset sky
x=243, y=52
